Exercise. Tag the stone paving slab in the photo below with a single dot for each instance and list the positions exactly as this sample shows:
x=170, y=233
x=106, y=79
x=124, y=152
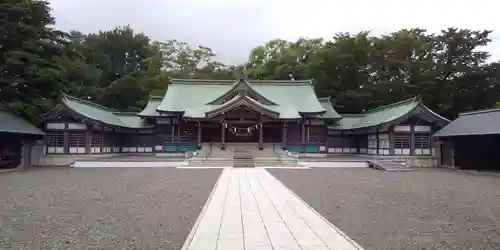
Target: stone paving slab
x=250, y=209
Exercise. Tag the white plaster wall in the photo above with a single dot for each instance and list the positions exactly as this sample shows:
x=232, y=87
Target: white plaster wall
x=62, y=160
x=416, y=161
x=334, y=164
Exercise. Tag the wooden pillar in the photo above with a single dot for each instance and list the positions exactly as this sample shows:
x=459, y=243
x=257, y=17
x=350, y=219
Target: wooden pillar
x=198, y=135
x=223, y=135
x=302, y=134
x=358, y=139
x=261, y=136
x=102, y=134
x=179, y=129
x=378, y=143
x=391, y=140
x=66, y=136
x=412, y=139
x=325, y=135
x=172, y=130
x=284, y=138
x=88, y=140
x=308, y=135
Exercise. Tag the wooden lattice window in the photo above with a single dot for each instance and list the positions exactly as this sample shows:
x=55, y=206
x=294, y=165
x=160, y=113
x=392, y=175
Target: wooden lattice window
x=108, y=140
x=423, y=144
x=145, y=140
x=402, y=141
x=190, y=132
x=383, y=141
x=372, y=141
x=55, y=138
x=422, y=141
x=96, y=140
x=76, y=139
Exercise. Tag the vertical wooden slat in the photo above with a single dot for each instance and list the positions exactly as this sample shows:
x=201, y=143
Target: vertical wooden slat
x=198, y=135
x=302, y=133
x=88, y=140
x=172, y=130
x=66, y=135
x=178, y=129
x=378, y=141
x=261, y=135
x=308, y=132
x=391, y=140
x=223, y=136
x=284, y=139
x=102, y=140
x=412, y=140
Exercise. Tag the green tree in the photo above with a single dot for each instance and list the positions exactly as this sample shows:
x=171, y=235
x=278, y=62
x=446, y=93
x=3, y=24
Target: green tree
x=32, y=69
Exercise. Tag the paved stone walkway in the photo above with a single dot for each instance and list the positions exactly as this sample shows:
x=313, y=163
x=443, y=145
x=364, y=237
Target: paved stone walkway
x=250, y=209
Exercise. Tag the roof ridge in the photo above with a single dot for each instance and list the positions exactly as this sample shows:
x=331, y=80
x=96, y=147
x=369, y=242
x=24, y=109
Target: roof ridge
x=90, y=103
x=198, y=80
x=242, y=98
x=480, y=111
x=125, y=113
x=413, y=99
x=280, y=82
x=248, y=86
x=352, y=115
x=235, y=81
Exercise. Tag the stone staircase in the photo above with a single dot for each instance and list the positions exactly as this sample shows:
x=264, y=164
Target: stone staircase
x=243, y=159
x=389, y=165
x=242, y=155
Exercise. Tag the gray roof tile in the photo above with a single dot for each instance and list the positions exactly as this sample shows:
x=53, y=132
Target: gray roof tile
x=10, y=123
x=481, y=122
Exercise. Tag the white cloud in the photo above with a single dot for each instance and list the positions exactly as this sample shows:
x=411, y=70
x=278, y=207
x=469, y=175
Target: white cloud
x=233, y=27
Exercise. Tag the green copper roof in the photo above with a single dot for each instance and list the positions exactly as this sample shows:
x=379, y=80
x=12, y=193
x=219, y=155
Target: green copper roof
x=10, y=123
x=102, y=114
x=150, y=109
x=385, y=114
x=244, y=100
x=195, y=97
x=330, y=113
x=348, y=121
x=241, y=86
x=481, y=122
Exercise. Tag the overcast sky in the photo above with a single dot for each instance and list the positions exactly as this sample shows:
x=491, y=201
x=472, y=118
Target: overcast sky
x=232, y=27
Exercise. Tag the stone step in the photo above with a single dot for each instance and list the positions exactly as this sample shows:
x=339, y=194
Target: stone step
x=231, y=166
x=387, y=165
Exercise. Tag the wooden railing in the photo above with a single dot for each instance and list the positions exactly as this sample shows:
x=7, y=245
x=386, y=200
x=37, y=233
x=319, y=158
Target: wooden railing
x=181, y=146
x=310, y=147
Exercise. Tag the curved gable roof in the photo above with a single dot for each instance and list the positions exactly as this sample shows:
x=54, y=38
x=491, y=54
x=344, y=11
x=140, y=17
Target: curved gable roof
x=389, y=113
x=150, y=109
x=99, y=113
x=330, y=113
x=239, y=87
x=242, y=100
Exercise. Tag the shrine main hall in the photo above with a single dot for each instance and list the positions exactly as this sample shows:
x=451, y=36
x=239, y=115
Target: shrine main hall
x=194, y=113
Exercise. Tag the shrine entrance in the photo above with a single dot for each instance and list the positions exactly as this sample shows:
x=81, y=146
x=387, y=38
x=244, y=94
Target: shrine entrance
x=242, y=133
